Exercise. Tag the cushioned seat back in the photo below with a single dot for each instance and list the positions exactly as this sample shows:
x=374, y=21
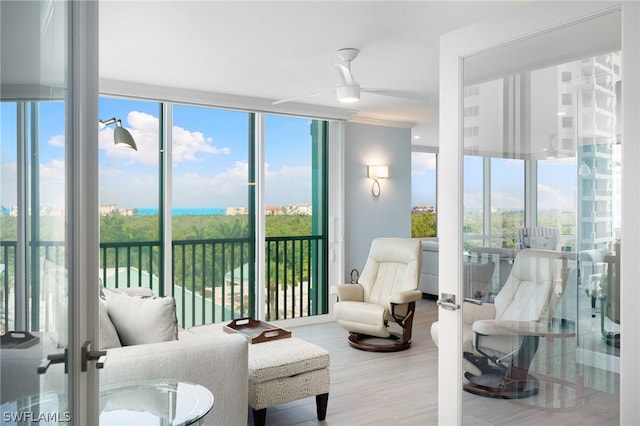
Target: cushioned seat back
x=393, y=265
x=534, y=286
x=539, y=237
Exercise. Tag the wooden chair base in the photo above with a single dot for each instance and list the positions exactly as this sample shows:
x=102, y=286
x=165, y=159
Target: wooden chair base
x=496, y=385
x=393, y=343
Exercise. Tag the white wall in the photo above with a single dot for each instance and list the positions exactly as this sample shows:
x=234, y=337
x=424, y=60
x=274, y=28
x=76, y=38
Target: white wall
x=366, y=216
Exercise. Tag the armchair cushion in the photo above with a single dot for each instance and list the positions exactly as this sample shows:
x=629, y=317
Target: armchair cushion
x=140, y=320
x=364, y=318
x=348, y=292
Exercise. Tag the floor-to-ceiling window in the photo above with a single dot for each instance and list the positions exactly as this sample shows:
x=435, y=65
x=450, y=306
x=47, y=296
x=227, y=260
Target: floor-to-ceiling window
x=212, y=214
x=130, y=196
x=295, y=223
x=423, y=193
x=193, y=181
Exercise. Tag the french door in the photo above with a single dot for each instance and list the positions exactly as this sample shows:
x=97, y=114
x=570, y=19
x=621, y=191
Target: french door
x=49, y=235
x=506, y=59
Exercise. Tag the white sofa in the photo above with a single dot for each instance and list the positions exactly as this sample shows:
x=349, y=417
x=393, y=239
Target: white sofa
x=218, y=361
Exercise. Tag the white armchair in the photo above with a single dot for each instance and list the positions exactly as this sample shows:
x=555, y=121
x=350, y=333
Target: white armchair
x=385, y=292
x=500, y=339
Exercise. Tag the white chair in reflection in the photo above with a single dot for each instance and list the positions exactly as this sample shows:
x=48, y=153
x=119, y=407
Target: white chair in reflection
x=593, y=276
x=594, y=280
x=539, y=237
x=500, y=339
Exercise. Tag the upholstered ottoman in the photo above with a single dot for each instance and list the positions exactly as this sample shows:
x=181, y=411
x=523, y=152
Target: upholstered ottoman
x=286, y=370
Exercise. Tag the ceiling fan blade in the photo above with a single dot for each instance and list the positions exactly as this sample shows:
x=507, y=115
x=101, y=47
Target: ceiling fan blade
x=405, y=94
x=282, y=101
x=345, y=78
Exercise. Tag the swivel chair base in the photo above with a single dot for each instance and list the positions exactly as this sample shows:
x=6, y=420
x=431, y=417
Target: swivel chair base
x=393, y=343
x=497, y=385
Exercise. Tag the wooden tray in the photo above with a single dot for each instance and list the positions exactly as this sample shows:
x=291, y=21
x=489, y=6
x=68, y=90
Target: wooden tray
x=18, y=340
x=256, y=331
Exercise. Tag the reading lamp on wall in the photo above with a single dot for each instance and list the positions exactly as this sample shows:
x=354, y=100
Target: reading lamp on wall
x=121, y=136
x=375, y=173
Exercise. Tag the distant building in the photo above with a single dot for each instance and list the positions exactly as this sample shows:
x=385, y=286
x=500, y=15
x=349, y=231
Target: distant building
x=273, y=211
x=422, y=208
x=107, y=209
x=232, y=211
x=299, y=209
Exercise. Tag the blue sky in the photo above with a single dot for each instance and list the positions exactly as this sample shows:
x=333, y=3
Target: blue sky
x=210, y=152
x=210, y=168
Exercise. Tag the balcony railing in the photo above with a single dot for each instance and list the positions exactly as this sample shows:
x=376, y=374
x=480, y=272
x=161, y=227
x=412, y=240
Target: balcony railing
x=212, y=280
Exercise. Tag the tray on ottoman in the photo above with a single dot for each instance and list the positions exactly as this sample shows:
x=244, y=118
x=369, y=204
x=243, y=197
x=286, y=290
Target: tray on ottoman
x=256, y=331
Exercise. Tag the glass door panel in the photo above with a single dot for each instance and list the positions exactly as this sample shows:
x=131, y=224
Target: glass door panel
x=541, y=179
x=295, y=217
x=35, y=257
x=212, y=215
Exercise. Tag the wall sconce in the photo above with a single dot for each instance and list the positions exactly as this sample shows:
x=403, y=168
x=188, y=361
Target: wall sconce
x=121, y=136
x=584, y=169
x=375, y=173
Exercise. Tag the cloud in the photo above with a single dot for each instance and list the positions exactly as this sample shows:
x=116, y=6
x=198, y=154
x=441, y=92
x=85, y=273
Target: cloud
x=187, y=145
x=225, y=189
x=421, y=164
x=57, y=141
x=288, y=172
x=289, y=184
x=505, y=201
x=554, y=198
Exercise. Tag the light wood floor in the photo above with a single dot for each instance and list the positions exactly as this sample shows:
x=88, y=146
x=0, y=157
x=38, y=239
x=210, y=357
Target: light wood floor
x=402, y=388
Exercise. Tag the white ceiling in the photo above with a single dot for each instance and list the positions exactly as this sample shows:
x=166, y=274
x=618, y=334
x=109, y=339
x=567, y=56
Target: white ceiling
x=275, y=50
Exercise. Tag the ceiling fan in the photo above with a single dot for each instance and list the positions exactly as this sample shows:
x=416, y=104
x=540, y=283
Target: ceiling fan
x=348, y=90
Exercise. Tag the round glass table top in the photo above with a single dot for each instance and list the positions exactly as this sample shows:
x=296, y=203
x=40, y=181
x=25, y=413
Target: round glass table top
x=166, y=402
x=153, y=402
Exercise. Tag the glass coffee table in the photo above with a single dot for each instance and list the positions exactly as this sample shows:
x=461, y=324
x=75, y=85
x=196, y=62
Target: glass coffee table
x=154, y=402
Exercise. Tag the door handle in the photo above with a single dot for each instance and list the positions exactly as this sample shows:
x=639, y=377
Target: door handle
x=88, y=355
x=53, y=359
x=448, y=301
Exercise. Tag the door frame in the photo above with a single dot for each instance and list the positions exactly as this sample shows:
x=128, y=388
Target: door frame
x=82, y=207
x=520, y=23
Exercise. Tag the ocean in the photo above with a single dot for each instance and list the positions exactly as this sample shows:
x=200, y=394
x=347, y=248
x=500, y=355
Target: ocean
x=182, y=211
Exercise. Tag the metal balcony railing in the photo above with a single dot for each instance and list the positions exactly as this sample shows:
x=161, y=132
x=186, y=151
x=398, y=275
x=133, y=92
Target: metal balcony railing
x=212, y=280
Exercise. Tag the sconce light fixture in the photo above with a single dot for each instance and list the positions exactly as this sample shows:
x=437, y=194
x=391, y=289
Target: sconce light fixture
x=584, y=169
x=375, y=173
x=121, y=136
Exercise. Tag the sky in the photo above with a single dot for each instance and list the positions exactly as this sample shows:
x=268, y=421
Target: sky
x=210, y=167
x=210, y=157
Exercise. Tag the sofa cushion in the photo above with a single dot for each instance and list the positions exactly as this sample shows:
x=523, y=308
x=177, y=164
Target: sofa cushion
x=140, y=320
x=108, y=334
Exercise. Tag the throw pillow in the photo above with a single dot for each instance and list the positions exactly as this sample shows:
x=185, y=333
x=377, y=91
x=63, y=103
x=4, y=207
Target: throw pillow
x=140, y=320
x=544, y=242
x=129, y=291
x=108, y=334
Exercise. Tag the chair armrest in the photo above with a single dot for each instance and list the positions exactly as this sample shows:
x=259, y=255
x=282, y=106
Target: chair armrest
x=520, y=328
x=474, y=311
x=402, y=297
x=348, y=292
